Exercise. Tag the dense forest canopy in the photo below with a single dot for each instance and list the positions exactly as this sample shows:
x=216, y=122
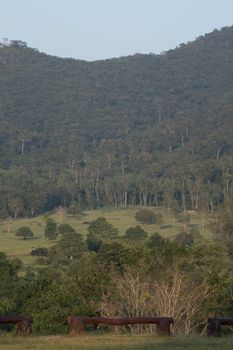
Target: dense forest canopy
x=144, y=129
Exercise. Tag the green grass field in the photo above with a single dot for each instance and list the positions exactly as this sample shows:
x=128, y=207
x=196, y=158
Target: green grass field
x=121, y=218
x=115, y=342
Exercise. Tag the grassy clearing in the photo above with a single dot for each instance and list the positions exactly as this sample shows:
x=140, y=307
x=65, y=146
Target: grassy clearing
x=121, y=218
x=114, y=342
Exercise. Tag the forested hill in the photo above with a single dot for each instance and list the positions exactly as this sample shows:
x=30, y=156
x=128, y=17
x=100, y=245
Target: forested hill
x=144, y=129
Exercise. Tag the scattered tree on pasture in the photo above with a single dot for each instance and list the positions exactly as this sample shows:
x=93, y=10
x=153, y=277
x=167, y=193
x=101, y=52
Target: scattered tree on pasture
x=24, y=232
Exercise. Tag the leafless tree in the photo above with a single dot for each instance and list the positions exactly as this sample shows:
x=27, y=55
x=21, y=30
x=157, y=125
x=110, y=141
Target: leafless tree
x=174, y=295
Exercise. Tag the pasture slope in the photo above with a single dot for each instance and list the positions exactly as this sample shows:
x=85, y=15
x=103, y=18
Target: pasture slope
x=16, y=247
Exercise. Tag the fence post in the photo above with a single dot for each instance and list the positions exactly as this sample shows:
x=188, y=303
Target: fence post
x=76, y=325
x=213, y=327
x=23, y=327
x=163, y=328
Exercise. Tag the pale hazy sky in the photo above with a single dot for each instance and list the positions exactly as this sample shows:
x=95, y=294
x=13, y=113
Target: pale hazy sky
x=97, y=29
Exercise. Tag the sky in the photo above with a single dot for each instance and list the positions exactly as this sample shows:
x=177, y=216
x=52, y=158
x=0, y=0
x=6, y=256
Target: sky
x=100, y=29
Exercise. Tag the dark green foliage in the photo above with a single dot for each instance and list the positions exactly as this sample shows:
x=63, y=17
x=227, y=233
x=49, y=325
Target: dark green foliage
x=10, y=285
x=114, y=255
x=24, y=232
x=102, y=228
x=70, y=247
x=135, y=233
x=50, y=231
x=145, y=216
x=63, y=229
x=50, y=298
x=155, y=241
x=39, y=252
x=98, y=231
x=84, y=284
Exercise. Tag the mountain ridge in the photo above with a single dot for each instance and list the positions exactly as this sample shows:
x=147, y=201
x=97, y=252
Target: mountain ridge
x=94, y=124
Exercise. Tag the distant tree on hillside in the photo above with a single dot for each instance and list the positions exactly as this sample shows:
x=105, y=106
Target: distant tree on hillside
x=50, y=232
x=64, y=229
x=99, y=230
x=135, y=233
x=145, y=216
x=24, y=232
x=70, y=247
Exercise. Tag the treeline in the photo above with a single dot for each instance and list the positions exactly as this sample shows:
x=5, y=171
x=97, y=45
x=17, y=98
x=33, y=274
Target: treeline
x=132, y=275
x=93, y=186
x=139, y=130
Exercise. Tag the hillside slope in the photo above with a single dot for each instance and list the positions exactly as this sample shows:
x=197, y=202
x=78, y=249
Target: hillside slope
x=143, y=129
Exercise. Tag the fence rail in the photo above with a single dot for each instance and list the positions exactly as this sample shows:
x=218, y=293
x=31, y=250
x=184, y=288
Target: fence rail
x=23, y=323
x=214, y=325
x=76, y=323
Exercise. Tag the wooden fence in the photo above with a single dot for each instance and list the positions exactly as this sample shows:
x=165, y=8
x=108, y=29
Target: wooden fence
x=23, y=323
x=76, y=323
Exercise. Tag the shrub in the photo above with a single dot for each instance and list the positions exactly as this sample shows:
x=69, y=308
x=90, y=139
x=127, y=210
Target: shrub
x=99, y=230
x=51, y=230
x=39, y=252
x=145, y=216
x=135, y=233
x=155, y=241
x=70, y=247
x=65, y=228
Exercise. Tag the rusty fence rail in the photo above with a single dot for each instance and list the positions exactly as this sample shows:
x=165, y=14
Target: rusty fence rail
x=77, y=323
x=23, y=323
x=214, y=325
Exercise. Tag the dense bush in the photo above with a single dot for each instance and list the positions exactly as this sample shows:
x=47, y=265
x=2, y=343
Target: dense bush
x=65, y=229
x=155, y=241
x=135, y=233
x=145, y=216
x=68, y=249
x=50, y=231
x=98, y=231
x=40, y=252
